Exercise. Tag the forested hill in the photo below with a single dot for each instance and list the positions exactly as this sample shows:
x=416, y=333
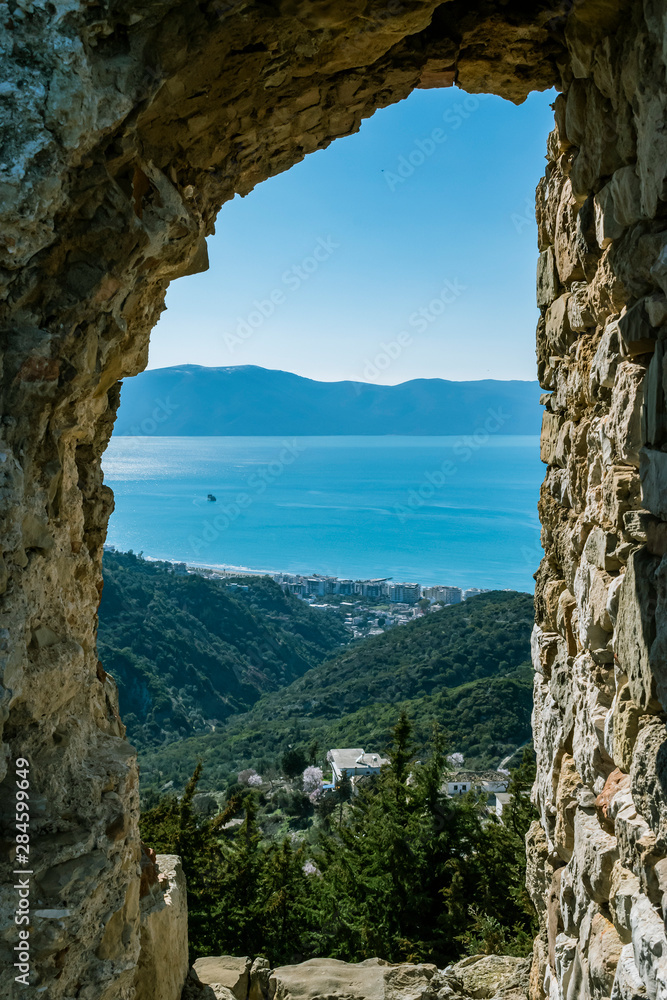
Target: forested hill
x=187, y=652
x=466, y=667
x=246, y=399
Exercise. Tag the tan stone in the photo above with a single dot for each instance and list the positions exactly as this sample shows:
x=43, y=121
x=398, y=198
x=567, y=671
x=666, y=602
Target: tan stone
x=604, y=950
x=622, y=726
x=579, y=314
x=231, y=974
x=558, y=334
x=606, y=359
x=485, y=976
x=569, y=783
x=163, y=959
x=372, y=979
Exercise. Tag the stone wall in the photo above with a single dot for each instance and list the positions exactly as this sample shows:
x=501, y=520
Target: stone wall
x=126, y=126
x=598, y=857
x=163, y=948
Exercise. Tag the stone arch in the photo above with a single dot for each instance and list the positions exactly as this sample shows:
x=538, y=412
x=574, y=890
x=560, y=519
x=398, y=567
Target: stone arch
x=127, y=126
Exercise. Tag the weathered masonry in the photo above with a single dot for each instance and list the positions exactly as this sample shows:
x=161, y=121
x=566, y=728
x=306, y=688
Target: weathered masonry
x=126, y=125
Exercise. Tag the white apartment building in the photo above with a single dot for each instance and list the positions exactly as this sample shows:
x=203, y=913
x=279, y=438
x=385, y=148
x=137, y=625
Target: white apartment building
x=448, y=595
x=404, y=593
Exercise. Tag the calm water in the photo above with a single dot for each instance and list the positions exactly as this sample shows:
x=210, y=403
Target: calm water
x=458, y=511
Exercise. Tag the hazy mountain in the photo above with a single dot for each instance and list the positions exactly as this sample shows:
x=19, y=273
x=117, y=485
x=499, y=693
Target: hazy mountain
x=193, y=400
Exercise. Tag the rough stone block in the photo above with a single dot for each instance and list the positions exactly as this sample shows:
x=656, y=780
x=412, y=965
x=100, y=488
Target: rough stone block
x=569, y=245
x=635, y=627
x=626, y=194
x=163, y=959
x=649, y=945
x=227, y=971
x=620, y=430
x=654, y=412
x=622, y=726
x=624, y=885
x=591, y=587
x=599, y=549
x=649, y=780
x=604, y=951
x=653, y=474
x=594, y=856
x=607, y=225
x=620, y=493
x=637, y=334
x=551, y=425
x=606, y=359
x=628, y=984
x=569, y=783
x=547, y=278
x=579, y=314
x=558, y=334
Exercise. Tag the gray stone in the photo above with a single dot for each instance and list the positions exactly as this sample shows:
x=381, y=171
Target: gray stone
x=635, y=627
x=653, y=474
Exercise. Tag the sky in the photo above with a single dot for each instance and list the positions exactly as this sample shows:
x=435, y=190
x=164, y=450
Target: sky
x=407, y=250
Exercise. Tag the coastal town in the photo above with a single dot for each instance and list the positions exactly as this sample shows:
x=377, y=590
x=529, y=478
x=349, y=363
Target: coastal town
x=368, y=607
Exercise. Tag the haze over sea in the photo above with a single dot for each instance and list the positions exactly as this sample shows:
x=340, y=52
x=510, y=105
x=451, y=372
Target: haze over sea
x=451, y=510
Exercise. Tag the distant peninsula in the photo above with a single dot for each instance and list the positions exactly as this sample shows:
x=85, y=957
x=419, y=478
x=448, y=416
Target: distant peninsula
x=191, y=400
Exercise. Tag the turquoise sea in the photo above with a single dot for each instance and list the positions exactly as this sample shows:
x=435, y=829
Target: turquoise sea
x=451, y=510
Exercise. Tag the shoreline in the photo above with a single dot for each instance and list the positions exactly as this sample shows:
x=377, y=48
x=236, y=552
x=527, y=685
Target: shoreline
x=225, y=569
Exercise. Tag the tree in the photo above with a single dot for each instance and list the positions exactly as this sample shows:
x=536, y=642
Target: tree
x=407, y=874
x=343, y=793
x=293, y=763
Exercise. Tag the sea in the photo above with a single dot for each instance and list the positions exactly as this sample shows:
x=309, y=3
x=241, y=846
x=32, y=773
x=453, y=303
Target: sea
x=460, y=511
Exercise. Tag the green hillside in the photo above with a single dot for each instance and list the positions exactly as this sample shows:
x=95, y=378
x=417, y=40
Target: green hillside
x=466, y=666
x=188, y=652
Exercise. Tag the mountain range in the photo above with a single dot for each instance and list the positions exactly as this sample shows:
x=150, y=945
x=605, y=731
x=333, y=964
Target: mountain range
x=191, y=400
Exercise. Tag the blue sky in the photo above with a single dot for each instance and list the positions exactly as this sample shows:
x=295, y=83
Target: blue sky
x=405, y=251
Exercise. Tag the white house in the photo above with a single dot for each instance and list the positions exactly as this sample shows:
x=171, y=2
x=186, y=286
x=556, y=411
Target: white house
x=491, y=782
x=503, y=799
x=354, y=762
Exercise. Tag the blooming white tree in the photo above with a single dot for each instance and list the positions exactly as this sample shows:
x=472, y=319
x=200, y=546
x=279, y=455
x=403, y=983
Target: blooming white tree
x=311, y=869
x=255, y=780
x=456, y=759
x=312, y=782
x=247, y=777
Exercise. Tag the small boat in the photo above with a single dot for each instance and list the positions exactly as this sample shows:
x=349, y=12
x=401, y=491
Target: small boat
x=210, y=497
